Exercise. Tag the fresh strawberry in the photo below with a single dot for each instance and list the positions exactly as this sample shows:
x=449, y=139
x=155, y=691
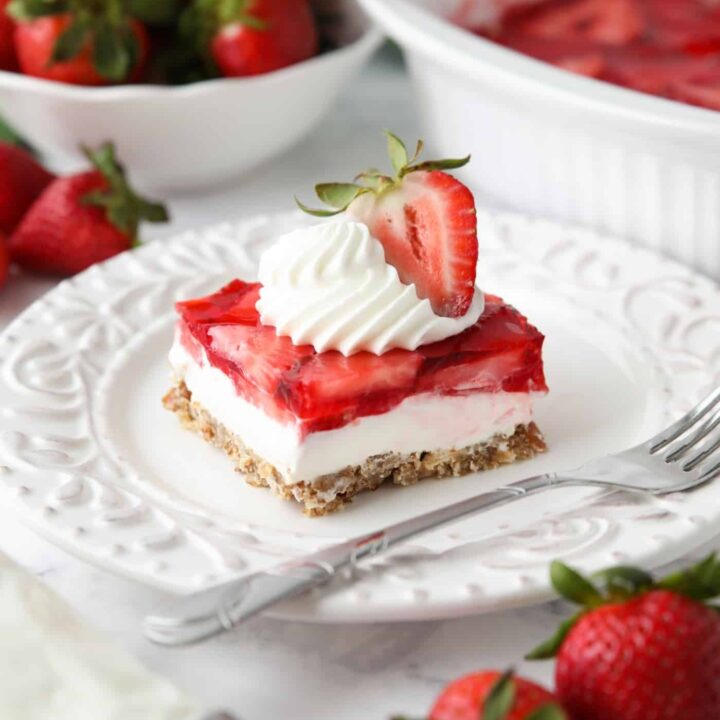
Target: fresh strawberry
x=4, y=261
x=638, y=648
x=424, y=218
x=612, y=22
x=250, y=37
x=8, y=59
x=82, y=219
x=21, y=181
x=491, y=695
x=80, y=42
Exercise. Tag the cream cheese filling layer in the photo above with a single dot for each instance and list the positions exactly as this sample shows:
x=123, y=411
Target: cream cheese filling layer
x=420, y=423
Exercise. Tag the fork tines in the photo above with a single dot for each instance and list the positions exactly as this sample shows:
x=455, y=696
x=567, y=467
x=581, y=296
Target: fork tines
x=693, y=440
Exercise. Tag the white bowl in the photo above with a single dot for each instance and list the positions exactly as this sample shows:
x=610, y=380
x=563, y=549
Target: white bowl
x=552, y=143
x=181, y=138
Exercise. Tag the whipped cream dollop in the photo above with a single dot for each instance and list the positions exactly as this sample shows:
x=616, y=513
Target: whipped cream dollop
x=329, y=286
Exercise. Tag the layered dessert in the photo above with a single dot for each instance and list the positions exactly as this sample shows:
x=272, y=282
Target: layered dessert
x=365, y=353
x=669, y=48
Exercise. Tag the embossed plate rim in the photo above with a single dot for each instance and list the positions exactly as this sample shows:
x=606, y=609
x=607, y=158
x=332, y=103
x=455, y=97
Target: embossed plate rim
x=97, y=517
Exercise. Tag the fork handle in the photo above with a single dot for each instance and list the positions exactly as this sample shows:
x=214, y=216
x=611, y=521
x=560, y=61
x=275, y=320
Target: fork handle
x=201, y=615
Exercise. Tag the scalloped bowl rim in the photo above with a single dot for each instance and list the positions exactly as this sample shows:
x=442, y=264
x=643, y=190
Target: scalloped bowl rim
x=369, y=38
x=456, y=48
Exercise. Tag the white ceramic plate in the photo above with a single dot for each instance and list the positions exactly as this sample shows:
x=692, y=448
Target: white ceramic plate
x=89, y=457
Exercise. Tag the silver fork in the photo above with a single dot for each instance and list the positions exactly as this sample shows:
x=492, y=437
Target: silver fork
x=682, y=457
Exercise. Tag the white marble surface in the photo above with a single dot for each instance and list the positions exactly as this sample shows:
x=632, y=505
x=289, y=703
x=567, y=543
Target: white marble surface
x=270, y=669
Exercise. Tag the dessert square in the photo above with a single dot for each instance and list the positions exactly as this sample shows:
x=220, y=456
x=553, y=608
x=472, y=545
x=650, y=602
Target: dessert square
x=366, y=353
x=321, y=427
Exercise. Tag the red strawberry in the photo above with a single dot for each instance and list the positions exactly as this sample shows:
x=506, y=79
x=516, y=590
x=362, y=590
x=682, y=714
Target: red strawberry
x=612, y=22
x=21, y=181
x=8, y=59
x=82, y=219
x=425, y=220
x=90, y=45
x=639, y=649
x=497, y=696
x=250, y=37
x=4, y=261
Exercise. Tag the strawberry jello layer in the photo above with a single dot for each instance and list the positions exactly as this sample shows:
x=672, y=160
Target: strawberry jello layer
x=669, y=48
x=310, y=414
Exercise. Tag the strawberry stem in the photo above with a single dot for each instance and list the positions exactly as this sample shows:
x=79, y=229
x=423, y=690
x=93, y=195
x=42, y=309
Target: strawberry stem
x=104, y=25
x=125, y=209
x=339, y=196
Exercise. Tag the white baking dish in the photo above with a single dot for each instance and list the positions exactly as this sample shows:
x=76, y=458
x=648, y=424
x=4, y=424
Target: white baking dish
x=552, y=143
x=191, y=136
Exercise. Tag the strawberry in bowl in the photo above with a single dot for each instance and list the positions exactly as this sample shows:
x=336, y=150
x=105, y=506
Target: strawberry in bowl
x=208, y=117
x=80, y=42
x=8, y=58
x=365, y=354
x=251, y=37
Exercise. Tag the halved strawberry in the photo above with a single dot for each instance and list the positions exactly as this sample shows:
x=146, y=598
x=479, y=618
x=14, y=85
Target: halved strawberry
x=336, y=388
x=611, y=22
x=425, y=220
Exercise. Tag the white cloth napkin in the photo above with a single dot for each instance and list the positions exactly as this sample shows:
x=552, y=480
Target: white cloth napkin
x=52, y=667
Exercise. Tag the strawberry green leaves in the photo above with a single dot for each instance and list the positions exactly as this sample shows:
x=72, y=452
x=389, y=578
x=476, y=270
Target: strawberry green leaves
x=70, y=42
x=29, y=9
x=623, y=582
x=104, y=29
x=397, y=152
x=116, y=51
x=549, y=648
x=573, y=586
x=339, y=195
x=700, y=582
x=501, y=700
x=125, y=209
x=548, y=712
